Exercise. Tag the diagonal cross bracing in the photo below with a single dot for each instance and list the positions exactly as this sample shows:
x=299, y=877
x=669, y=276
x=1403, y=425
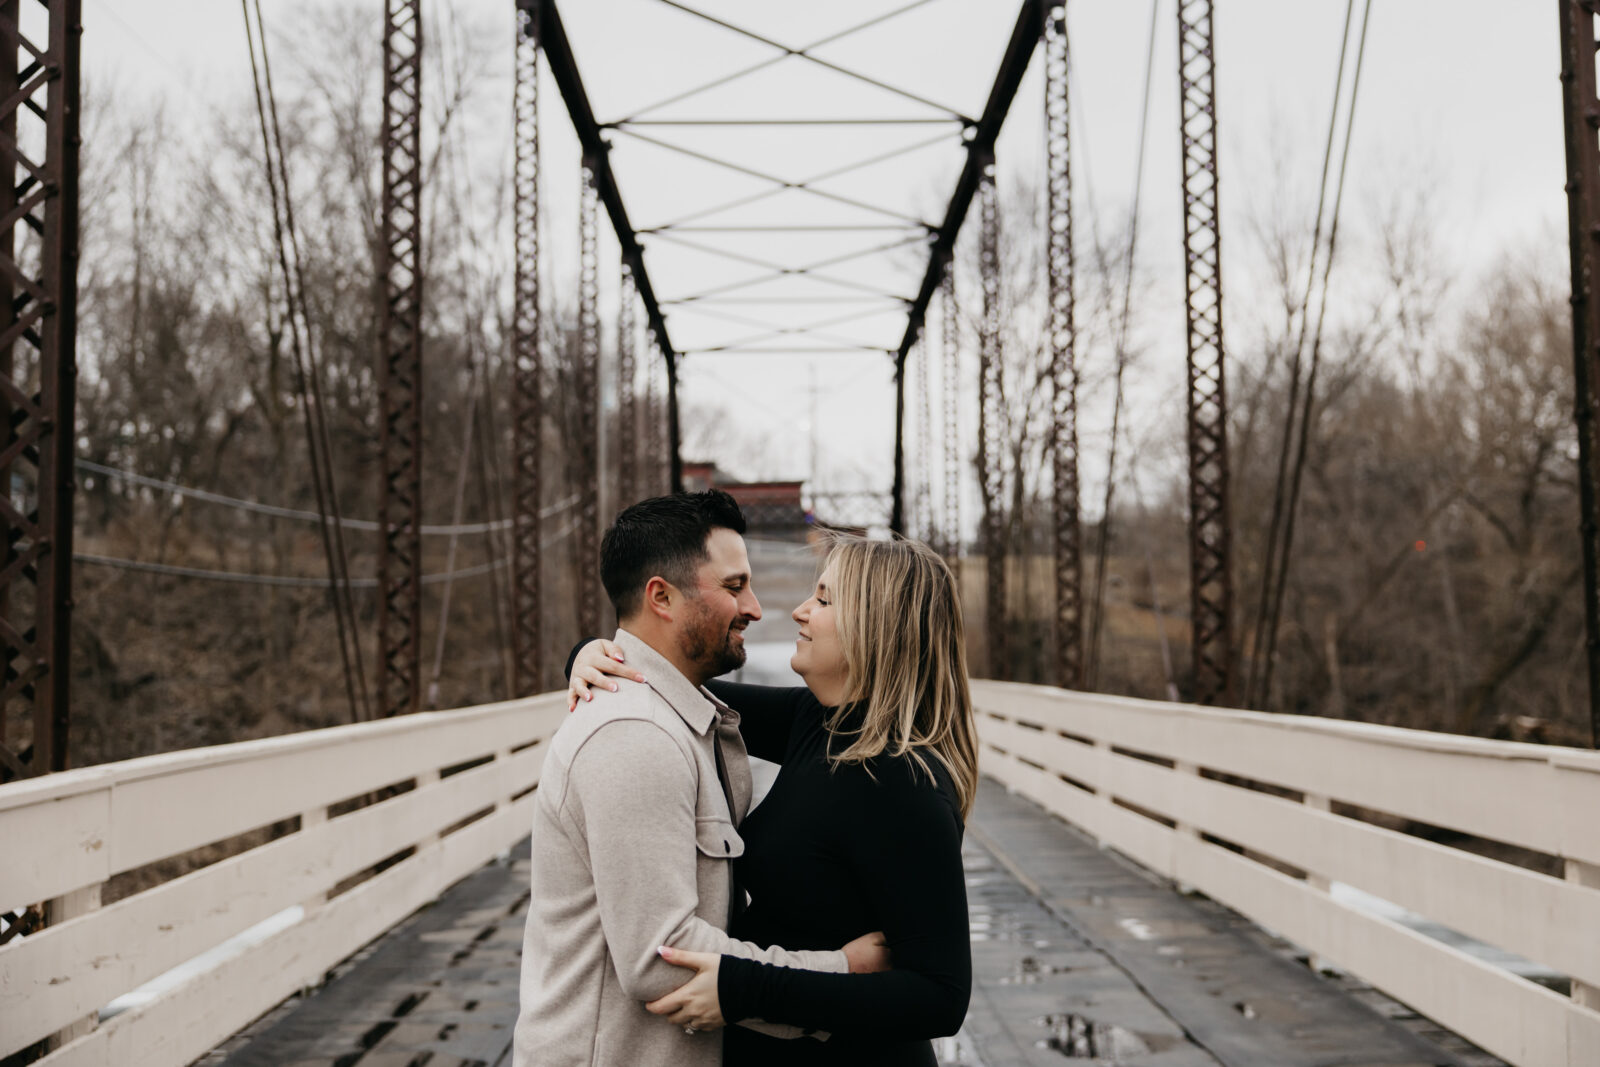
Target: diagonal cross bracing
x=804, y=53
x=1025, y=37
x=557, y=51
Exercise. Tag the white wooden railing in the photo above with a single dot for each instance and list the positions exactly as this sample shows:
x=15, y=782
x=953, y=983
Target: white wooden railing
x=63, y=836
x=1122, y=770
x=1093, y=760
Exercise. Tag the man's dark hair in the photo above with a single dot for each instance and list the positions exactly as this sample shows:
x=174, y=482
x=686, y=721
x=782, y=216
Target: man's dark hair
x=664, y=535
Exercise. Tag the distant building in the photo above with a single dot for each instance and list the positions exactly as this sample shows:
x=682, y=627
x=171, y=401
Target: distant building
x=772, y=509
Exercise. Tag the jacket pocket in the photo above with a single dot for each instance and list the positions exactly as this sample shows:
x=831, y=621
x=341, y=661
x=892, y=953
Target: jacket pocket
x=717, y=838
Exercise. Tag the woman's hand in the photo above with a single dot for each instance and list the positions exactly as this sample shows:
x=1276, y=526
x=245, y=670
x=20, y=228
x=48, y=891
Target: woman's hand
x=693, y=1005
x=596, y=664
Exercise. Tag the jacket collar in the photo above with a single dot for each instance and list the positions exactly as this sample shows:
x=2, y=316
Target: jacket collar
x=694, y=706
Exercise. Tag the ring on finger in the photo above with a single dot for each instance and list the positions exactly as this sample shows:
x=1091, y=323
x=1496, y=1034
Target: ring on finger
x=690, y=1029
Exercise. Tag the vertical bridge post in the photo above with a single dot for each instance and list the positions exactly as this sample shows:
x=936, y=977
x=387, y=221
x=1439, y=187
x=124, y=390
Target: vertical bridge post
x=1210, y=578
x=991, y=437
x=38, y=375
x=1063, y=357
x=400, y=433
x=586, y=380
x=950, y=388
x=627, y=410
x=1582, y=113
x=527, y=398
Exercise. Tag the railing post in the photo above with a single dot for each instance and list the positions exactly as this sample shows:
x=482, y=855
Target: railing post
x=503, y=798
x=424, y=780
x=309, y=819
x=1102, y=788
x=76, y=903
x=1183, y=828
x=1588, y=876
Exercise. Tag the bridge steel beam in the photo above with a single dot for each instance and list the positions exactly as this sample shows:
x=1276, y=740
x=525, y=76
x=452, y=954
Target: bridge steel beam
x=596, y=153
x=38, y=376
x=400, y=434
x=1063, y=358
x=1582, y=114
x=1210, y=530
x=1025, y=36
x=527, y=396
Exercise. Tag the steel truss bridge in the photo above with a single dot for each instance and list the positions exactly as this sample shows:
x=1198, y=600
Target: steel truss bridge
x=1271, y=817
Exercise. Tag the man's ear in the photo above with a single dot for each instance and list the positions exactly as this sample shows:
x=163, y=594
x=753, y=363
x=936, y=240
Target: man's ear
x=660, y=597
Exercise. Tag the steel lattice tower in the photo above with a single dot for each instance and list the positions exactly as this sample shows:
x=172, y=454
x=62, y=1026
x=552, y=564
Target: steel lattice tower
x=1063, y=357
x=527, y=366
x=1210, y=580
x=586, y=381
x=991, y=438
x=38, y=375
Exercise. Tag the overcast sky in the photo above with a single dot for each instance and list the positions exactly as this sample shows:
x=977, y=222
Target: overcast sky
x=1460, y=110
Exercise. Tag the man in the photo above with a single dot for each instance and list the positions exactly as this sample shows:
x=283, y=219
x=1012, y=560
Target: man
x=639, y=798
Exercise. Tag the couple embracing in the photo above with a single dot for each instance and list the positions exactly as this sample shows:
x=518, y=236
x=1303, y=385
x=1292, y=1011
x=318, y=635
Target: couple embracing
x=828, y=927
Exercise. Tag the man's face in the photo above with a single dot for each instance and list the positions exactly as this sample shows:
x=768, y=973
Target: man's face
x=719, y=607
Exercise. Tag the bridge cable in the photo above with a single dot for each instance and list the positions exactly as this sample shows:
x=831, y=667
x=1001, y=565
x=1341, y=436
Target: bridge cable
x=457, y=176
x=275, y=511
x=1097, y=623
x=246, y=578
x=1287, y=496
x=303, y=357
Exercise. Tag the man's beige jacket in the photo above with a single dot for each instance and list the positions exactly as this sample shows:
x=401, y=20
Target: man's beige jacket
x=632, y=848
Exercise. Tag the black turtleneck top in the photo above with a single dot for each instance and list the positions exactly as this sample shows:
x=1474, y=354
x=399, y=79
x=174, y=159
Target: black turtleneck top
x=832, y=853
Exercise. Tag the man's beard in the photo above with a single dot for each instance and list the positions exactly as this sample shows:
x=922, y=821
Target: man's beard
x=712, y=646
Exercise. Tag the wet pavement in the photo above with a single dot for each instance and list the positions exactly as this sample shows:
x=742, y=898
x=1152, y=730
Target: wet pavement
x=1078, y=955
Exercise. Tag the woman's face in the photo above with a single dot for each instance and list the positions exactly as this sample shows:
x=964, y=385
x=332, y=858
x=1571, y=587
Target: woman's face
x=818, y=656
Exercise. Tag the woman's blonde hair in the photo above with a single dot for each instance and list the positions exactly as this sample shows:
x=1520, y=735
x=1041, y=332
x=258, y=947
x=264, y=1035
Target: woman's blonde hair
x=899, y=622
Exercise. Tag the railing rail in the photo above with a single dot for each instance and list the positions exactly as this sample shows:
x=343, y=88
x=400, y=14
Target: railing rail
x=1263, y=812
x=410, y=804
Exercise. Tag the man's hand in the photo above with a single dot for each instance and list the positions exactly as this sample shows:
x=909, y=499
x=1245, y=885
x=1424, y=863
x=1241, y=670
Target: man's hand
x=597, y=662
x=868, y=954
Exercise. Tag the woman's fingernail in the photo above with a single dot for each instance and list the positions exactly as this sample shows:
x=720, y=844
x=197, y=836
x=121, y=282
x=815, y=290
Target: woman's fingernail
x=666, y=953
x=613, y=687
x=588, y=696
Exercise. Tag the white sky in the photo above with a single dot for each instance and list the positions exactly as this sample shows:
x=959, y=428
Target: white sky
x=1460, y=107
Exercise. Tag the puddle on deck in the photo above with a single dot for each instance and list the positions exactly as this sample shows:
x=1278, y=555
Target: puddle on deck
x=1078, y=1037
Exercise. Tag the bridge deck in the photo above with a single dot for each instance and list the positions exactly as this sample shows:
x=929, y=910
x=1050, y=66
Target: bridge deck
x=1077, y=954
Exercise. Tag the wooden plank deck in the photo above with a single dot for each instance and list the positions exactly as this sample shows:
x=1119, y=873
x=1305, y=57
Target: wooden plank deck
x=1078, y=954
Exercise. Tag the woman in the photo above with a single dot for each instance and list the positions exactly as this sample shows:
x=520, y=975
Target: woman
x=862, y=827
